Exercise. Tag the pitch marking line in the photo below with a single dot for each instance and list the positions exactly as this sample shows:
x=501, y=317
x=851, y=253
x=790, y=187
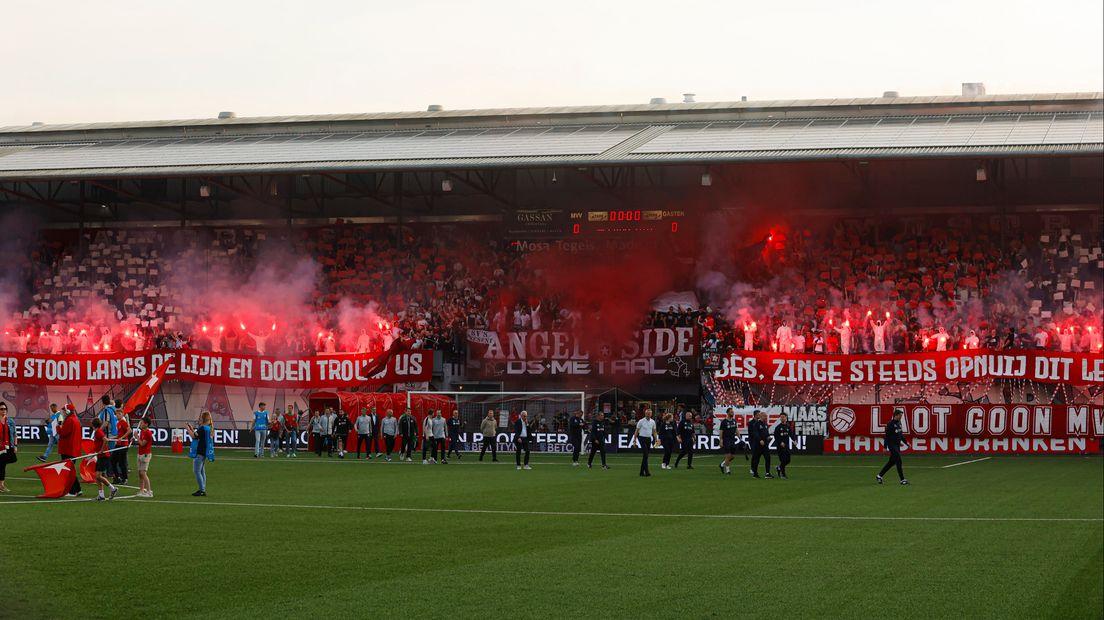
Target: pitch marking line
x=984, y=458
x=551, y=513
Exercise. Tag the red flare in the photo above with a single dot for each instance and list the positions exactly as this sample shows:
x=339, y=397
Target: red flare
x=203, y=329
x=273, y=327
x=221, y=328
x=242, y=325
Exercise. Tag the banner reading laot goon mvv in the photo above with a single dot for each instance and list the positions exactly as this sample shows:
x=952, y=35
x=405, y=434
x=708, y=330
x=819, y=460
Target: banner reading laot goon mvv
x=933, y=367
x=982, y=428
x=320, y=371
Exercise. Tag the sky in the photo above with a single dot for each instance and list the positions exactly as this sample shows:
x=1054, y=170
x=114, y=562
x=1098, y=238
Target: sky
x=79, y=61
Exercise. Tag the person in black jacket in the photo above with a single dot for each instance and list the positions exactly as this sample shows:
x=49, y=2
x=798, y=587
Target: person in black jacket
x=575, y=425
x=408, y=431
x=759, y=437
x=730, y=438
x=598, y=433
x=454, y=425
x=894, y=436
x=668, y=435
x=341, y=432
x=782, y=435
x=523, y=435
x=686, y=440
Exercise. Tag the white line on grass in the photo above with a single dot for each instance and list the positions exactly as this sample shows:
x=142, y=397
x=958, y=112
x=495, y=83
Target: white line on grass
x=551, y=513
x=984, y=458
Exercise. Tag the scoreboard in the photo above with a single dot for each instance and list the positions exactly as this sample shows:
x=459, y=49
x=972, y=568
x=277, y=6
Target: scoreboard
x=561, y=223
x=626, y=221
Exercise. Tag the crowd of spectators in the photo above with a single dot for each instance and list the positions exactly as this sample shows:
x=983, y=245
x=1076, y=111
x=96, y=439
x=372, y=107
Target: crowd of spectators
x=919, y=285
x=853, y=287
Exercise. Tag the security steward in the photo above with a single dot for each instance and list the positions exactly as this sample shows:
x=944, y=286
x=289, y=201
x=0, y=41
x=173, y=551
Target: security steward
x=782, y=435
x=575, y=426
x=598, y=433
x=686, y=435
x=759, y=436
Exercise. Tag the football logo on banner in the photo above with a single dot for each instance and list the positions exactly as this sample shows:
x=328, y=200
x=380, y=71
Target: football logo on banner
x=842, y=419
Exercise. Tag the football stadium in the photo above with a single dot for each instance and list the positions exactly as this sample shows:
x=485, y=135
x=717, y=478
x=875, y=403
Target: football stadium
x=423, y=363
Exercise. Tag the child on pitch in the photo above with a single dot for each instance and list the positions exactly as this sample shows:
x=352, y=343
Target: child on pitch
x=145, y=454
x=103, y=460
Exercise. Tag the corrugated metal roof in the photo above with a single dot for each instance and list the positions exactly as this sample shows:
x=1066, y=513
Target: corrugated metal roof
x=495, y=115
x=786, y=139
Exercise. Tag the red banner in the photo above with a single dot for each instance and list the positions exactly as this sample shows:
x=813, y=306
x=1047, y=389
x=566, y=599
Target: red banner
x=320, y=371
x=935, y=367
x=981, y=428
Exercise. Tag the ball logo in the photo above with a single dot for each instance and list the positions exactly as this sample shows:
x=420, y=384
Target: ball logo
x=842, y=419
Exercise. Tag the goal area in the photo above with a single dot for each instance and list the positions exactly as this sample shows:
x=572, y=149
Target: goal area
x=547, y=410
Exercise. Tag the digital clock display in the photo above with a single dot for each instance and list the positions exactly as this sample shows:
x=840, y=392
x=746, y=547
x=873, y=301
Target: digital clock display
x=625, y=221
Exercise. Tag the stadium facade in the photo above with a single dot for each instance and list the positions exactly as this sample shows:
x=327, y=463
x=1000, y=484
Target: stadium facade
x=572, y=175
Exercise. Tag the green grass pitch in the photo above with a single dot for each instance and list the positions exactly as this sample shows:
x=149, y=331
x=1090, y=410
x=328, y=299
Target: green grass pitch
x=997, y=538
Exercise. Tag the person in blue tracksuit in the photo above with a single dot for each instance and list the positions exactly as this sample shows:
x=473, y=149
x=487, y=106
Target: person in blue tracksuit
x=52, y=422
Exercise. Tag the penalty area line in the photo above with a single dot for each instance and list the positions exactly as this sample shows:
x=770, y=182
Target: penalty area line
x=551, y=513
x=984, y=458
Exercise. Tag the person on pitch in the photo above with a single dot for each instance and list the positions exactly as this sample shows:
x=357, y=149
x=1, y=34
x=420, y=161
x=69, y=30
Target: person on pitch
x=316, y=432
x=598, y=433
x=328, y=430
x=427, y=438
x=439, y=424
x=644, y=435
x=686, y=434
x=523, y=435
x=260, y=430
x=894, y=437
x=9, y=444
x=275, y=433
x=52, y=422
x=145, y=454
x=454, y=425
x=342, y=426
x=120, y=463
x=69, y=444
x=363, y=426
x=373, y=437
x=489, y=428
x=575, y=426
x=408, y=431
x=759, y=438
x=202, y=450
x=668, y=437
x=103, y=460
x=730, y=439
x=110, y=422
x=291, y=429
x=782, y=435
x=390, y=428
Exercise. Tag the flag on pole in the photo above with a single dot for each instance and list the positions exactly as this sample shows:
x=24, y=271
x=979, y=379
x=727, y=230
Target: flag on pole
x=57, y=478
x=88, y=464
x=146, y=391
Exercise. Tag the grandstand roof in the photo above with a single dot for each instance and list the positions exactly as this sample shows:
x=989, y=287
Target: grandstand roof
x=902, y=127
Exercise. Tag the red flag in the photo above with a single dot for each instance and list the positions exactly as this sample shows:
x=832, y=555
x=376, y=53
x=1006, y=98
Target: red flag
x=57, y=478
x=145, y=392
x=88, y=464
